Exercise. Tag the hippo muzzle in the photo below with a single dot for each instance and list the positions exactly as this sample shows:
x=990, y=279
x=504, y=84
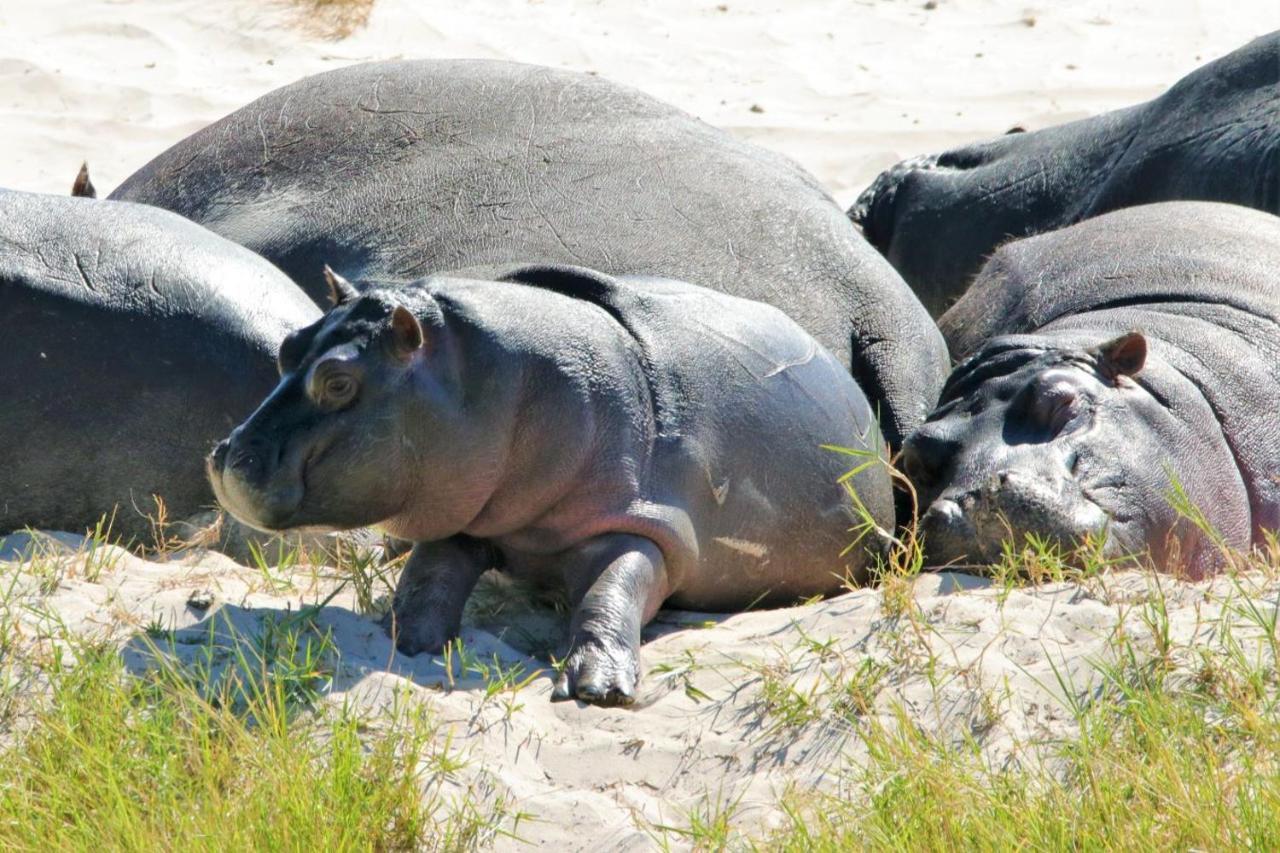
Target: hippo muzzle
x=246, y=475
x=972, y=525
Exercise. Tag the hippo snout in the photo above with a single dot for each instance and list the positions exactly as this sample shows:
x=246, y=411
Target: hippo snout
x=249, y=486
x=971, y=525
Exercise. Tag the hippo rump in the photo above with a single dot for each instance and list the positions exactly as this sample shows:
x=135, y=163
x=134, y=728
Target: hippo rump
x=637, y=440
x=1108, y=366
x=393, y=170
x=1214, y=136
x=133, y=340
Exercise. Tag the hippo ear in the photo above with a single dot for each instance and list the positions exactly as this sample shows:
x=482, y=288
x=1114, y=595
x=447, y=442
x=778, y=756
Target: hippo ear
x=406, y=333
x=83, y=187
x=341, y=291
x=1123, y=356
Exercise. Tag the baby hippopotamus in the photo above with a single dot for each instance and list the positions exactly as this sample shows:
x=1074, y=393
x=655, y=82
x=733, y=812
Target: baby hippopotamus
x=1106, y=364
x=639, y=440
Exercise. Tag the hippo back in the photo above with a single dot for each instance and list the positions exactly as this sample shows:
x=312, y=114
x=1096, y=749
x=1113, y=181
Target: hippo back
x=1200, y=280
x=1213, y=136
x=134, y=339
x=394, y=170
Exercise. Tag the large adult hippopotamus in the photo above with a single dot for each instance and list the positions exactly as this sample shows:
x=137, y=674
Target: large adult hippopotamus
x=132, y=340
x=393, y=170
x=639, y=440
x=1106, y=365
x=1214, y=136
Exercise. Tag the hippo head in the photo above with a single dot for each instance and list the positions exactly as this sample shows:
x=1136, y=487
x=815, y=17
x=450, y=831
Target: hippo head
x=1057, y=442
x=367, y=426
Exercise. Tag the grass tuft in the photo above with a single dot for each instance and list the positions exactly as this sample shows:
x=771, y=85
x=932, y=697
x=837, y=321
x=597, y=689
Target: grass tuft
x=333, y=19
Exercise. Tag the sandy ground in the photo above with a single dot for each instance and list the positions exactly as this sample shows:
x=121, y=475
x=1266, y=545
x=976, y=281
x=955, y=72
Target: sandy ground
x=844, y=87
x=965, y=659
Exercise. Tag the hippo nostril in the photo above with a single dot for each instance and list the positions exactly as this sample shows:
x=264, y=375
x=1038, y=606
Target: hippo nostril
x=246, y=458
x=245, y=461
x=944, y=509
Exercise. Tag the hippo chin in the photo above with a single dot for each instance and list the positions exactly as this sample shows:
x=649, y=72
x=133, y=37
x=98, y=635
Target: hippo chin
x=639, y=441
x=1213, y=136
x=133, y=339
x=393, y=170
x=1106, y=367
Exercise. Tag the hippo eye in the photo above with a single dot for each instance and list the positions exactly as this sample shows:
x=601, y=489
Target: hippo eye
x=338, y=388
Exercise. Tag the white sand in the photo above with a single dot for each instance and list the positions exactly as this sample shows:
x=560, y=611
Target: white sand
x=846, y=88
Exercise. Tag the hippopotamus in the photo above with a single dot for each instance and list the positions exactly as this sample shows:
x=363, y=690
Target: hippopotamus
x=1214, y=136
x=393, y=170
x=1116, y=373
x=134, y=339
x=641, y=441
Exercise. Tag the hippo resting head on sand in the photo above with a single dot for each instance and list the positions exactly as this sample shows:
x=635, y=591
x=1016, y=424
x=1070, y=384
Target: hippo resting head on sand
x=132, y=340
x=391, y=171
x=639, y=441
x=1105, y=364
x=1214, y=136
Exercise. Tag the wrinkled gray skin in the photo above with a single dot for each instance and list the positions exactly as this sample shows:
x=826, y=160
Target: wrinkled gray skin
x=1214, y=136
x=1099, y=360
x=640, y=441
x=133, y=340
x=394, y=170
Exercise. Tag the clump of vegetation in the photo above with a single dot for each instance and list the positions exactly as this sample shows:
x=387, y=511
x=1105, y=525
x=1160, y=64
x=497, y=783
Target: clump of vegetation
x=334, y=19
x=1160, y=762
x=231, y=745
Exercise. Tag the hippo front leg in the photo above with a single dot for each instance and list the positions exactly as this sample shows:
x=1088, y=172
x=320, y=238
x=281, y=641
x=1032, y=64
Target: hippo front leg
x=616, y=584
x=426, y=611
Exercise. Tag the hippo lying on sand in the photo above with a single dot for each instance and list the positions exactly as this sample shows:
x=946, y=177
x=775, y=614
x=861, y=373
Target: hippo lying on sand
x=640, y=440
x=390, y=171
x=132, y=340
x=1102, y=363
x=1214, y=136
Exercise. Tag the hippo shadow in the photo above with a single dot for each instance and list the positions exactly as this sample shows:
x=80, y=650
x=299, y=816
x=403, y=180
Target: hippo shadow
x=311, y=650
x=332, y=648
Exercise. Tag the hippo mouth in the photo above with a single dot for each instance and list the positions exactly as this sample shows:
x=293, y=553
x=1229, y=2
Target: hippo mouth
x=971, y=528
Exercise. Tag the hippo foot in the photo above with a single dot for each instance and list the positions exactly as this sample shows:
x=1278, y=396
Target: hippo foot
x=599, y=671
x=414, y=635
